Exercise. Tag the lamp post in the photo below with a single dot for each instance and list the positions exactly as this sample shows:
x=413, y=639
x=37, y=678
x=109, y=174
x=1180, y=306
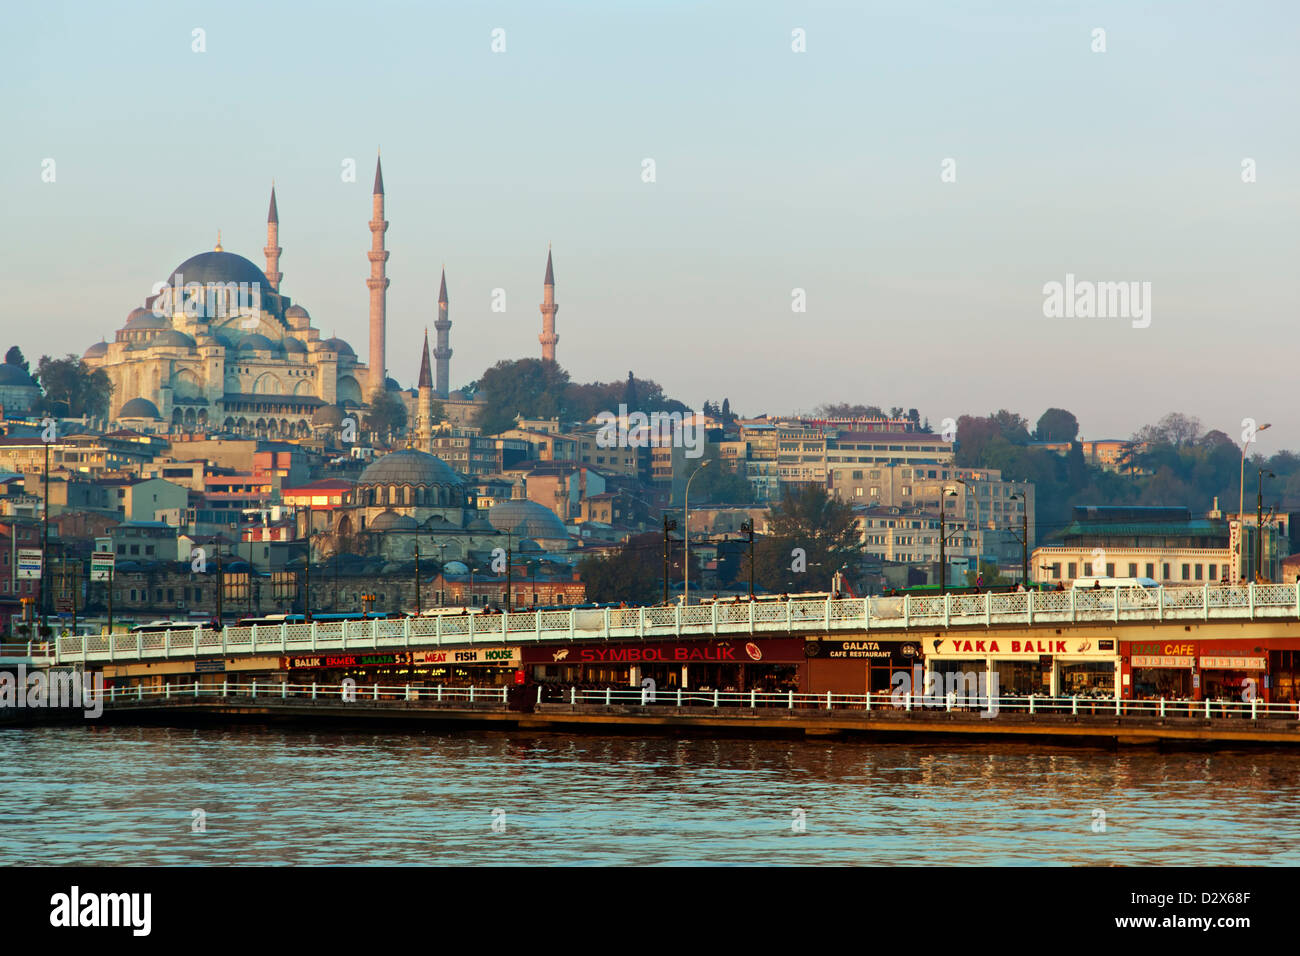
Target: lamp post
x=417, y=578
x=442, y=570
x=1259, y=526
x=1241, y=499
x=747, y=527
x=686, y=533
x=979, y=524
x=1024, y=537
x=669, y=525
x=45, y=541
x=943, y=554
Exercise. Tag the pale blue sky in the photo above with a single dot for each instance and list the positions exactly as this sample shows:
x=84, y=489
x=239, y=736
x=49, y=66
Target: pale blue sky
x=775, y=170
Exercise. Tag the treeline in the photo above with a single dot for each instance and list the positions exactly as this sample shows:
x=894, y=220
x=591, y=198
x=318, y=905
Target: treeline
x=1174, y=462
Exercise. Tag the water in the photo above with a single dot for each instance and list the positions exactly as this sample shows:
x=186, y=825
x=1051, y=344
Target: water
x=125, y=795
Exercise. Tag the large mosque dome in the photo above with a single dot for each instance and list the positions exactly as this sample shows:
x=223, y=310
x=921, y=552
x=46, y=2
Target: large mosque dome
x=409, y=467
x=218, y=267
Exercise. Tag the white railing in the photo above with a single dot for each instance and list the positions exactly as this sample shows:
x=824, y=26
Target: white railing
x=795, y=616
x=707, y=699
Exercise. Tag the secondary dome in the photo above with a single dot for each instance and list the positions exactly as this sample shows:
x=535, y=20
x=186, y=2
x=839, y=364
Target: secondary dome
x=218, y=267
x=98, y=350
x=296, y=312
x=293, y=345
x=390, y=520
x=145, y=319
x=13, y=375
x=139, y=408
x=338, y=345
x=409, y=467
x=173, y=339
x=257, y=342
x=328, y=415
x=527, y=518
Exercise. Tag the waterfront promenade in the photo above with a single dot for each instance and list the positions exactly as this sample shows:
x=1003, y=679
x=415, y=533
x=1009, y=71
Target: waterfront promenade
x=796, y=616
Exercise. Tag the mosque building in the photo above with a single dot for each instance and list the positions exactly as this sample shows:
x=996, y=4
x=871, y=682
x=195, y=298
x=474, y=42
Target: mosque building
x=220, y=348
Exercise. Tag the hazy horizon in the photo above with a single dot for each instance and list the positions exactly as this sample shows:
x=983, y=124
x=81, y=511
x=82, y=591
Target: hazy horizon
x=775, y=171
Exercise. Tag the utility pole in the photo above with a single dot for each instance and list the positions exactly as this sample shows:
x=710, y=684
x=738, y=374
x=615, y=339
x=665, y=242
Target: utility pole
x=747, y=527
x=220, y=583
x=45, y=539
x=942, y=542
x=111, y=568
x=1259, y=526
x=417, y=578
x=509, y=578
x=669, y=525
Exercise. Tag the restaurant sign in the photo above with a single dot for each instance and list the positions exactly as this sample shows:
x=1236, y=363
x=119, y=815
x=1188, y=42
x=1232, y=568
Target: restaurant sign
x=317, y=661
x=500, y=656
x=1020, y=647
x=1233, y=664
x=784, y=650
x=892, y=651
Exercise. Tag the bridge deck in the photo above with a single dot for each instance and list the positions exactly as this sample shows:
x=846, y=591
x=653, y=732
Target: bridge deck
x=887, y=615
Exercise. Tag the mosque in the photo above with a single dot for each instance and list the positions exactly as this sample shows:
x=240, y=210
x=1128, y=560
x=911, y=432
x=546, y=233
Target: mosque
x=220, y=348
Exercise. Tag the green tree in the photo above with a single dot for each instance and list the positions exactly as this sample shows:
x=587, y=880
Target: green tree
x=718, y=485
x=528, y=388
x=809, y=530
x=71, y=388
x=15, y=357
x=1056, y=425
x=633, y=573
x=387, y=415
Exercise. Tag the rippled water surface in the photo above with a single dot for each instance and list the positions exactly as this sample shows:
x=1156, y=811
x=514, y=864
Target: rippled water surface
x=77, y=795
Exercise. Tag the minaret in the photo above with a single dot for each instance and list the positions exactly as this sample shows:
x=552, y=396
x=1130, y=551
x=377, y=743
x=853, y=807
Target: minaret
x=424, y=408
x=443, y=352
x=273, y=250
x=377, y=283
x=548, y=338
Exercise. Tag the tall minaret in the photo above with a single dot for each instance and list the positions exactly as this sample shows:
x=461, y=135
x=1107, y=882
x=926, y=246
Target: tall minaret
x=377, y=283
x=443, y=352
x=548, y=338
x=273, y=250
x=424, y=406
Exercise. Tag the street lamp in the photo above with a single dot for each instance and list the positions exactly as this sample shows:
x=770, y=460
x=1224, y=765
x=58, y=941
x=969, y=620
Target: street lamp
x=943, y=555
x=747, y=527
x=1241, y=499
x=1024, y=537
x=1259, y=527
x=686, y=533
x=979, y=524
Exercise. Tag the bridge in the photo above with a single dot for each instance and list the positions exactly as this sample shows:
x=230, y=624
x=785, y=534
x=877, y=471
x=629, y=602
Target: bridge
x=881, y=716
x=898, y=616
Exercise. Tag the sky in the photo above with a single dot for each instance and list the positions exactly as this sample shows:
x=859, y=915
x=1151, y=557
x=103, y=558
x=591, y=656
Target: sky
x=920, y=170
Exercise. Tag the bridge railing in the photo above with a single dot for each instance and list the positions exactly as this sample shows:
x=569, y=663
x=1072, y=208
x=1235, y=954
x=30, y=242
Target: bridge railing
x=798, y=615
x=705, y=700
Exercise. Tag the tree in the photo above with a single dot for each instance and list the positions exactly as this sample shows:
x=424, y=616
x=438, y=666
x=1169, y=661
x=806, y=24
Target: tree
x=15, y=357
x=72, y=389
x=845, y=410
x=1056, y=425
x=719, y=485
x=387, y=415
x=821, y=527
x=633, y=574
x=527, y=388
x=629, y=394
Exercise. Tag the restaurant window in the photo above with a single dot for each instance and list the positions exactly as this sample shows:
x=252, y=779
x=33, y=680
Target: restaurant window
x=1151, y=570
x=1224, y=574
x=1187, y=572
x=1200, y=571
x=1132, y=569
x=1072, y=569
x=1110, y=569
x=1165, y=575
x=1214, y=572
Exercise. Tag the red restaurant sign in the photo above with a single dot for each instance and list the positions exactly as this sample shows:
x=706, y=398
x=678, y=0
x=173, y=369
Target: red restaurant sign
x=782, y=650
